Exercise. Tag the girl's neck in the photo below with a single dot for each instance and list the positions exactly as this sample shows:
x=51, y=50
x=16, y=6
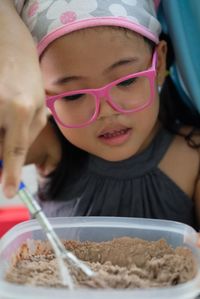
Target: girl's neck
x=151, y=136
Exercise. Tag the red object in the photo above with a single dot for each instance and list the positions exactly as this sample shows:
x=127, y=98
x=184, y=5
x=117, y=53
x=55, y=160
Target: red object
x=10, y=216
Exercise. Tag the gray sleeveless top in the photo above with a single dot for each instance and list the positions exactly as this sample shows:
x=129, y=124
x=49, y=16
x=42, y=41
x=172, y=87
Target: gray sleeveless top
x=135, y=187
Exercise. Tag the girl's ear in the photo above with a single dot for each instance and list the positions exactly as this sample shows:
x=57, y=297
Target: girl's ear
x=161, y=62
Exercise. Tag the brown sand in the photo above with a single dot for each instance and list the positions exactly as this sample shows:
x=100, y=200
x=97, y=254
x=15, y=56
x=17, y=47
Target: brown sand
x=120, y=263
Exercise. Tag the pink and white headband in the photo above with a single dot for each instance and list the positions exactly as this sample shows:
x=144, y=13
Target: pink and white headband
x=50, y=19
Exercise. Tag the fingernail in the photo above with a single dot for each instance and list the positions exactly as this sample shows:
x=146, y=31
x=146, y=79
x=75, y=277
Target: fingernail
x=10, y=191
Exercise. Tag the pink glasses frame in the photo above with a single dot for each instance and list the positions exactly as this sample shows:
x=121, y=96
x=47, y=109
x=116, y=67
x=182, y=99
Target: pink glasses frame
x=103, y=91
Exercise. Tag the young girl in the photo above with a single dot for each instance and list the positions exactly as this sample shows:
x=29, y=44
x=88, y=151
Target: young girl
x=124, y=152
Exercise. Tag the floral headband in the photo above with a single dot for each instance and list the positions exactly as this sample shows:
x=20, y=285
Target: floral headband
x=50, y=19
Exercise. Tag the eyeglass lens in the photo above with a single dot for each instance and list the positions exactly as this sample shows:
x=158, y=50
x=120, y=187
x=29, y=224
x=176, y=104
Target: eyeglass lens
x=127, y=95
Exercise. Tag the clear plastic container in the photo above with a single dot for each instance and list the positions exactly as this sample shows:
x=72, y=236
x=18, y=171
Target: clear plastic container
x=100, y=229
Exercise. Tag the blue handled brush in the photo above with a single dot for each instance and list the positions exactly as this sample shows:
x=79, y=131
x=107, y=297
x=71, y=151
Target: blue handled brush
x=61, y=252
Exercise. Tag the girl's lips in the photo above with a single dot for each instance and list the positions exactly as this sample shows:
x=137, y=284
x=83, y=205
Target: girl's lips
x=115, y=136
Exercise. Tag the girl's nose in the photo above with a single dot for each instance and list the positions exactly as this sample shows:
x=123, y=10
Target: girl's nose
x=106, y=109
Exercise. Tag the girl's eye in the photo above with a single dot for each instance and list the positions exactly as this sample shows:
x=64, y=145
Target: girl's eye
x=73, y=97
x=127, y=82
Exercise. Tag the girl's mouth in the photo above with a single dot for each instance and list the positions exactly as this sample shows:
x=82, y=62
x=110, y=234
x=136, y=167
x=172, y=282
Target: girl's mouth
x=115, y=137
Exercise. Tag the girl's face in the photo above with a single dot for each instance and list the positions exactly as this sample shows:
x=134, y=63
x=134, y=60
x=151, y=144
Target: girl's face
x=92, y=58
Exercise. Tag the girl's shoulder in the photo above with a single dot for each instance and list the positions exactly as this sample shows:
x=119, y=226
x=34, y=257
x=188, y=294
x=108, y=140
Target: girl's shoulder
x=182, y=159
x=186, y=144
x=187, y=141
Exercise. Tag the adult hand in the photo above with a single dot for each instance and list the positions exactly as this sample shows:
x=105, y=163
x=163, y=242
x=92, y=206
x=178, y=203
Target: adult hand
x=22, y=105
x=46, y=151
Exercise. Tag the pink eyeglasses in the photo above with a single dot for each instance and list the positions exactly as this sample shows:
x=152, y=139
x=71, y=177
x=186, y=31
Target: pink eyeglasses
x=79, y=108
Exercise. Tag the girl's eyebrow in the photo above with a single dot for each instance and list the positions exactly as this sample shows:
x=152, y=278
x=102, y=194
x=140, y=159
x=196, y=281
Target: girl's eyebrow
x=121, y=62
x=65, y=79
